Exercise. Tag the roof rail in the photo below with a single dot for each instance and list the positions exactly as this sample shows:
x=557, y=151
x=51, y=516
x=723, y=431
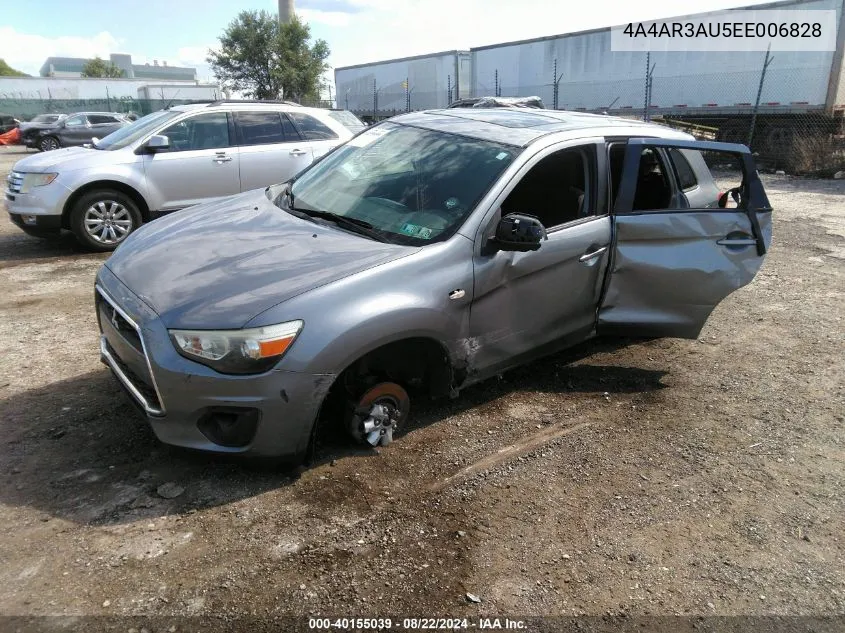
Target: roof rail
x=222, y=101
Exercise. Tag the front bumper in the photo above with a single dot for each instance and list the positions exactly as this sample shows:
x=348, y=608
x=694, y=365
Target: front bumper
x=37, y=224
x=276, y=409
x=47, y=200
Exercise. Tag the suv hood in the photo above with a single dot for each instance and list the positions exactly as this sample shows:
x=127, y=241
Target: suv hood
x=68, y=159
x=218, y=265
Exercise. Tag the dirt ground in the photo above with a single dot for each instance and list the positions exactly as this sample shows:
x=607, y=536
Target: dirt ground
x=669, y=477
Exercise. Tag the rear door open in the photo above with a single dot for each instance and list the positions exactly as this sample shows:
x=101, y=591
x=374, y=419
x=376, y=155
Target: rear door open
x=676, y=256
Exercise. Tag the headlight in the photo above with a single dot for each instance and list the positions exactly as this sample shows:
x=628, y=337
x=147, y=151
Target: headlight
x=36, y=180
x=237, y=351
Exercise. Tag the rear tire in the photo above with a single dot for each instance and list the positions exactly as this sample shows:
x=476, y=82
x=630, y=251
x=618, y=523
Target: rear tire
x=102, y=219
x=49, y=143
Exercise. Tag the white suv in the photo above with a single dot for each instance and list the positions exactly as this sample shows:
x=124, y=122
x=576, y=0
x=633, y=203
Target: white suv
x=166, y=161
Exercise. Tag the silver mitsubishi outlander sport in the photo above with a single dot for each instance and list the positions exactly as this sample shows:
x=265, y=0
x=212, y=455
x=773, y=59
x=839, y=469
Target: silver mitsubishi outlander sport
x=427, y=253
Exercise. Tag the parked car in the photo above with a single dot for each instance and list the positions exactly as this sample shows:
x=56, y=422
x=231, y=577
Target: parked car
x=165, y=161
x=427, y=253
x=31, y=129
x=78, y=129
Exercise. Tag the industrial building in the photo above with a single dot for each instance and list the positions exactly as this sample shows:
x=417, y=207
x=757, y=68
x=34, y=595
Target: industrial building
x=73, y=66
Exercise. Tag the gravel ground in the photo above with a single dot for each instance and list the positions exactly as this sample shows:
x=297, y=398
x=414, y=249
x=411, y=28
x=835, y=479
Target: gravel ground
x=618, y=479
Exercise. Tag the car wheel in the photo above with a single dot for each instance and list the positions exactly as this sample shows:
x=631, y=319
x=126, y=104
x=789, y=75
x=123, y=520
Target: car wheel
x=101, y=220
x=49, y=143
x=379, y=413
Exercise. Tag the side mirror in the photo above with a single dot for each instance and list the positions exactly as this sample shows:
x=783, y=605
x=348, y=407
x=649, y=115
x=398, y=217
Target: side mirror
x=518, y=232
x=157, y=143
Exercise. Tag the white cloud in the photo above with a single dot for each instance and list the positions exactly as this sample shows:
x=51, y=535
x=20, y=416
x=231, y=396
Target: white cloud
x=192, y=55
x=27, y=52
x=329, y=18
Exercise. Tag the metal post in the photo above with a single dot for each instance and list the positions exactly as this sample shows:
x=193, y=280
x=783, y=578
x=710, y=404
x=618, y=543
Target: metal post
x=554, y=80
x=645, y=102
x=375, y=100
x=448, y=89
x=108, y=98
x=347, y=97
x=496, y=83
x=407, y=94
x=768, y=60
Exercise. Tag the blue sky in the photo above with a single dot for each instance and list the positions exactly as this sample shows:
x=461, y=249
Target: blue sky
x=358, y=31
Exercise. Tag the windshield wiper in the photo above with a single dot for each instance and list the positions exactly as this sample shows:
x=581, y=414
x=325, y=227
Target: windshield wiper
x=353, y=224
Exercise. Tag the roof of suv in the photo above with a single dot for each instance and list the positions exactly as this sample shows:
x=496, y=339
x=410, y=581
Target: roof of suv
x=520, y=126
x=240, y=105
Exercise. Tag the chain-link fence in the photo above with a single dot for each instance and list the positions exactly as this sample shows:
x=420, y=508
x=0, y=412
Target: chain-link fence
x=779, y=106
x=25, y=109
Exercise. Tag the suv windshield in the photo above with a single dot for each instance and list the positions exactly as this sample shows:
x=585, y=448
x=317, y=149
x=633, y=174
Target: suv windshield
x=129, y=134
x=46, y=118
x=412, y=186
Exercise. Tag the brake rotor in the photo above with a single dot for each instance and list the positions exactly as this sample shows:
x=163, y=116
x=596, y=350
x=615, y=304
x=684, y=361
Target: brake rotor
x=379, y=413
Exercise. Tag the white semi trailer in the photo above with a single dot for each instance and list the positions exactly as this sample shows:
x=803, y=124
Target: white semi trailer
x=801, y=95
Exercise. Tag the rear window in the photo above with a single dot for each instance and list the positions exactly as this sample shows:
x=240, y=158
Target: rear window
x=347, y=120
x=310, y=128
x=261, y=128
x=101, y=118
x=685, y=173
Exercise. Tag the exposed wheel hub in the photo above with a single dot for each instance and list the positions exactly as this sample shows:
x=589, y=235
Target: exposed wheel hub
x=380, y=411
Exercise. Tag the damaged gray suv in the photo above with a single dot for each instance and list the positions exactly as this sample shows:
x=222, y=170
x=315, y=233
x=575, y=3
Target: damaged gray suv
x=425, y=254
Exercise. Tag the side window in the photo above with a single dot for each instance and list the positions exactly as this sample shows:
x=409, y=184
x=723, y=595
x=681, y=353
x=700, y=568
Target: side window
x=653, y=190
x=557, y=189
x=311, y=128
x=75, y=121
x=101, y=118
x=683, y=170
x=203, y=131
x=262, y=128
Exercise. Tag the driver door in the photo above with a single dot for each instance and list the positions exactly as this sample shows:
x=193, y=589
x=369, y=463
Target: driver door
x=677, y=253
x=76, y=131
x=201, y=164
x=528, y=303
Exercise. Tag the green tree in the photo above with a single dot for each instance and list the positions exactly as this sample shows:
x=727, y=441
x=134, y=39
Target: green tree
x=100, y=68
x=8, y=71
x=266, y=60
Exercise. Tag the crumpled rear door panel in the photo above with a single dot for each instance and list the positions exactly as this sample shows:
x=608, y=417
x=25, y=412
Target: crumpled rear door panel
x=671, y=268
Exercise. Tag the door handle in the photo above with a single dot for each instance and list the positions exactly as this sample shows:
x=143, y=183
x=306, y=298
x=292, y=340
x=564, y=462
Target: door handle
x=592, y=255
x=298, y=152
x=221, y=158
x=742, y=241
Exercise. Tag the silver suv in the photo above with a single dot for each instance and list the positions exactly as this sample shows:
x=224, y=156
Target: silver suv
x=166, y=161
x=429, y=252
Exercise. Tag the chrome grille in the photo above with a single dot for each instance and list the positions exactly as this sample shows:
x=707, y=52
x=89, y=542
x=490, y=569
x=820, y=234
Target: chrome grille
x=146, y=393
x=15, y=182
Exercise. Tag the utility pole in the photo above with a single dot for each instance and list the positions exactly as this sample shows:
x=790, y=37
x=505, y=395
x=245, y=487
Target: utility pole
x=555, y=83
x=649, y=71
x=768, y=60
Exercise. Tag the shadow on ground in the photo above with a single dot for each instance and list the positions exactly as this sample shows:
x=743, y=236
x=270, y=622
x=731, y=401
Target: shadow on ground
x=78, y=450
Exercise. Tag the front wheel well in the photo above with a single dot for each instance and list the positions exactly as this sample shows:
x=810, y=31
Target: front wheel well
x=114, y=185
x=418, y=365
x=421, y=364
